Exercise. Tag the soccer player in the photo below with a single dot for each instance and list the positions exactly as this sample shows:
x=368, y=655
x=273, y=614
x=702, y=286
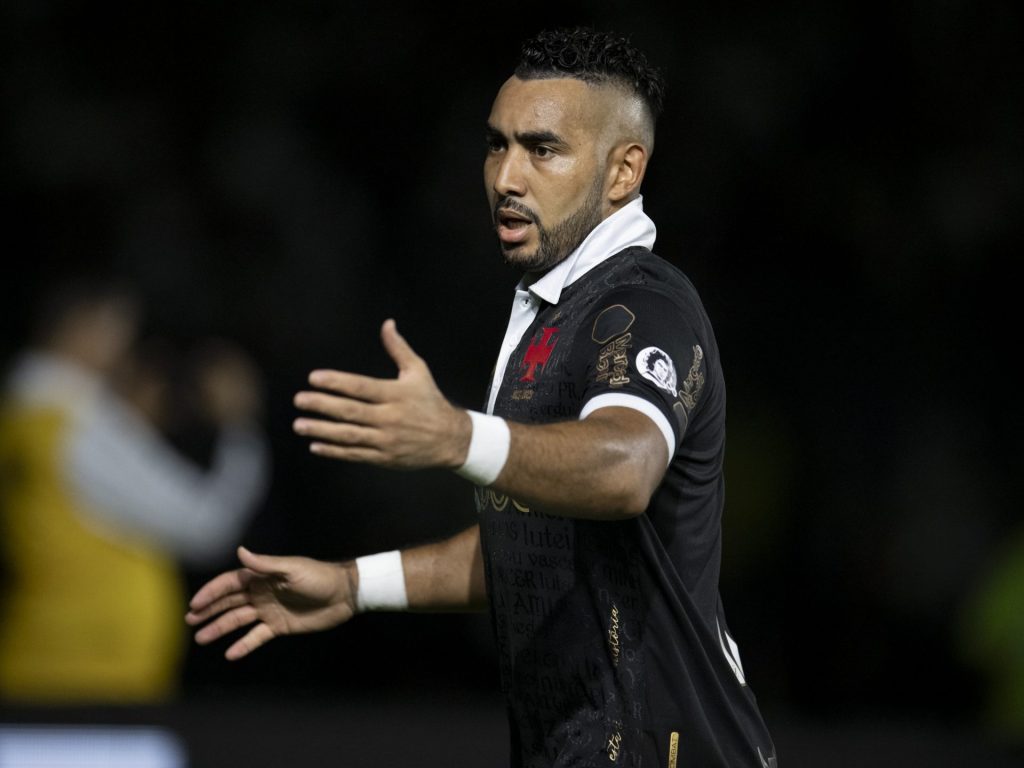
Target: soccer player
x=597, y=456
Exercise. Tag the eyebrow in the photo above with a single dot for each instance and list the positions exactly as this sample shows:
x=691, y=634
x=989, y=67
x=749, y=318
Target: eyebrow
x=528, y=138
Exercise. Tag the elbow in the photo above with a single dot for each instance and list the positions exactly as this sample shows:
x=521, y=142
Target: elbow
x=633, y=503
x=625, y=501
x=635, y=484
x=602, y=501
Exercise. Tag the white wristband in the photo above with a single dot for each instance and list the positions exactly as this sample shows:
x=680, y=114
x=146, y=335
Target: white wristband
x=488, y=449
x=381, y=582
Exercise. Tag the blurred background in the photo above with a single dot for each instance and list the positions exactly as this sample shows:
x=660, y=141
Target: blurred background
x=842, y=181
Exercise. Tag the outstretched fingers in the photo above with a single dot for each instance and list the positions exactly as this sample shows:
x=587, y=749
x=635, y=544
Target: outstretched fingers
x=341, y=434
x=227, y=623
x=227, y=583
x=233, y=600
x=226, y=604
x=398, y=348
x=347, y=453
x=352, y=385
x=346, y=409
x=259, y=635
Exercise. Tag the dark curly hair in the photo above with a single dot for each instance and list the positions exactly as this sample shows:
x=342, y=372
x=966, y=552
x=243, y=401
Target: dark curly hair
x=594, y=57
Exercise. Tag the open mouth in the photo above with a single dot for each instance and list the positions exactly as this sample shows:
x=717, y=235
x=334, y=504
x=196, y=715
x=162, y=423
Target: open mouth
x=512, y=227
x=511, y=219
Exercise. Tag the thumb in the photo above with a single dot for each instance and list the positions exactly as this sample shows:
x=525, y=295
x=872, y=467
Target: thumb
x=267, y=565
x=397, y=347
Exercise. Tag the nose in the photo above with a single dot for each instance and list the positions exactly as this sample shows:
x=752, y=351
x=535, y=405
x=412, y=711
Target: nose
x=508, y=175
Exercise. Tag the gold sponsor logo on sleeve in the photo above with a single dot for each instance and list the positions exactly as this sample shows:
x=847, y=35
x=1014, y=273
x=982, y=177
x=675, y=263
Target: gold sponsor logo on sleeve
x=673, y=749
x=694, y=383
x=613, y=361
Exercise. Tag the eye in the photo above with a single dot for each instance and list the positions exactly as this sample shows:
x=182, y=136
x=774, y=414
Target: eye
x=543, y=151
x=494, y=143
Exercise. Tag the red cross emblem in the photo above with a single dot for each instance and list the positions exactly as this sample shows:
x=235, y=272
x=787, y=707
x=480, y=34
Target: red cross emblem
x=538, y=354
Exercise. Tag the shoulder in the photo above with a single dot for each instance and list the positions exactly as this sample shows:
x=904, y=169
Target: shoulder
x=639, y=275
x=644, y=268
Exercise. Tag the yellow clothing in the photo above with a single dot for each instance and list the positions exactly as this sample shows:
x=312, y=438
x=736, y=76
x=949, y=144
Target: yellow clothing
x=89, y=614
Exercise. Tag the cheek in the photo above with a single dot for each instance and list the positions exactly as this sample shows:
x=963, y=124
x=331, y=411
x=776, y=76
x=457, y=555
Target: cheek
x=565, y=198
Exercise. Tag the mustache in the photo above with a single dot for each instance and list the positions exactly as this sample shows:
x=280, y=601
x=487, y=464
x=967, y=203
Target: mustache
x=515, y=206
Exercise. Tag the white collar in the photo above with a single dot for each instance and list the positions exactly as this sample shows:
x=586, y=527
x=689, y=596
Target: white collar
x=627, y=227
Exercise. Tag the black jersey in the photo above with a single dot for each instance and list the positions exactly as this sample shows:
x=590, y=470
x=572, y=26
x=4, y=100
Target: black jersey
x=613, y=643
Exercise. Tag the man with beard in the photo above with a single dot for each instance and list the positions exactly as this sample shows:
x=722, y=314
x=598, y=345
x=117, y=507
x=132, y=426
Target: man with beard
x=597, y=457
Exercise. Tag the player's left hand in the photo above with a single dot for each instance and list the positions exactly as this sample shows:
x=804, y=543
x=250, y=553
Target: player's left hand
x=403, y=423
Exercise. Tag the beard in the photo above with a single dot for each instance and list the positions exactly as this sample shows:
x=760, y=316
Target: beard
x=558, y=241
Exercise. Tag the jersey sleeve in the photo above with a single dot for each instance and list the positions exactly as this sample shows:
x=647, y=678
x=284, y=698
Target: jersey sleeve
x=643, y=350
x=133, y=480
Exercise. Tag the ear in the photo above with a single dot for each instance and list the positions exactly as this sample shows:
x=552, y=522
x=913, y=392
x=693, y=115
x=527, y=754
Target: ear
x=626, y=171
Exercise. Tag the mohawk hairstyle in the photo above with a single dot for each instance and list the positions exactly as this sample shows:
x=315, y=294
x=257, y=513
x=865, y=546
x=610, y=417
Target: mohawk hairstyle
x=594, y=57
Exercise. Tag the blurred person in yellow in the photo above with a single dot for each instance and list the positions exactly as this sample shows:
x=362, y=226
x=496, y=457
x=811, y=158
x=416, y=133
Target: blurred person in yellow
x=100, y=511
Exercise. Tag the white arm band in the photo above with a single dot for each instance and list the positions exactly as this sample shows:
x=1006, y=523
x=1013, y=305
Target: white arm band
x=488, y=449
x=381, y=582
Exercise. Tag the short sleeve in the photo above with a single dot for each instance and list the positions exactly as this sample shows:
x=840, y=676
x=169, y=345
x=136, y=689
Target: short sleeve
x=647, y=351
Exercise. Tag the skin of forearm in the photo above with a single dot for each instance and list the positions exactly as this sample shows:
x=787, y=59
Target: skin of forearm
x=446, y=575
x=604, y=467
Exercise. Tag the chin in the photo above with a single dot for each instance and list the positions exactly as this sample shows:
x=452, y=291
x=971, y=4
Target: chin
x=519, y=257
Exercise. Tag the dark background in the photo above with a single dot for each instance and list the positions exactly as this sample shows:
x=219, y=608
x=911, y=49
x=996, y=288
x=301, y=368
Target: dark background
x=841, y=180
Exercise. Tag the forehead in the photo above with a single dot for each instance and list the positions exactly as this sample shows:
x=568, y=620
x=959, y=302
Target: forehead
x=560, y=105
